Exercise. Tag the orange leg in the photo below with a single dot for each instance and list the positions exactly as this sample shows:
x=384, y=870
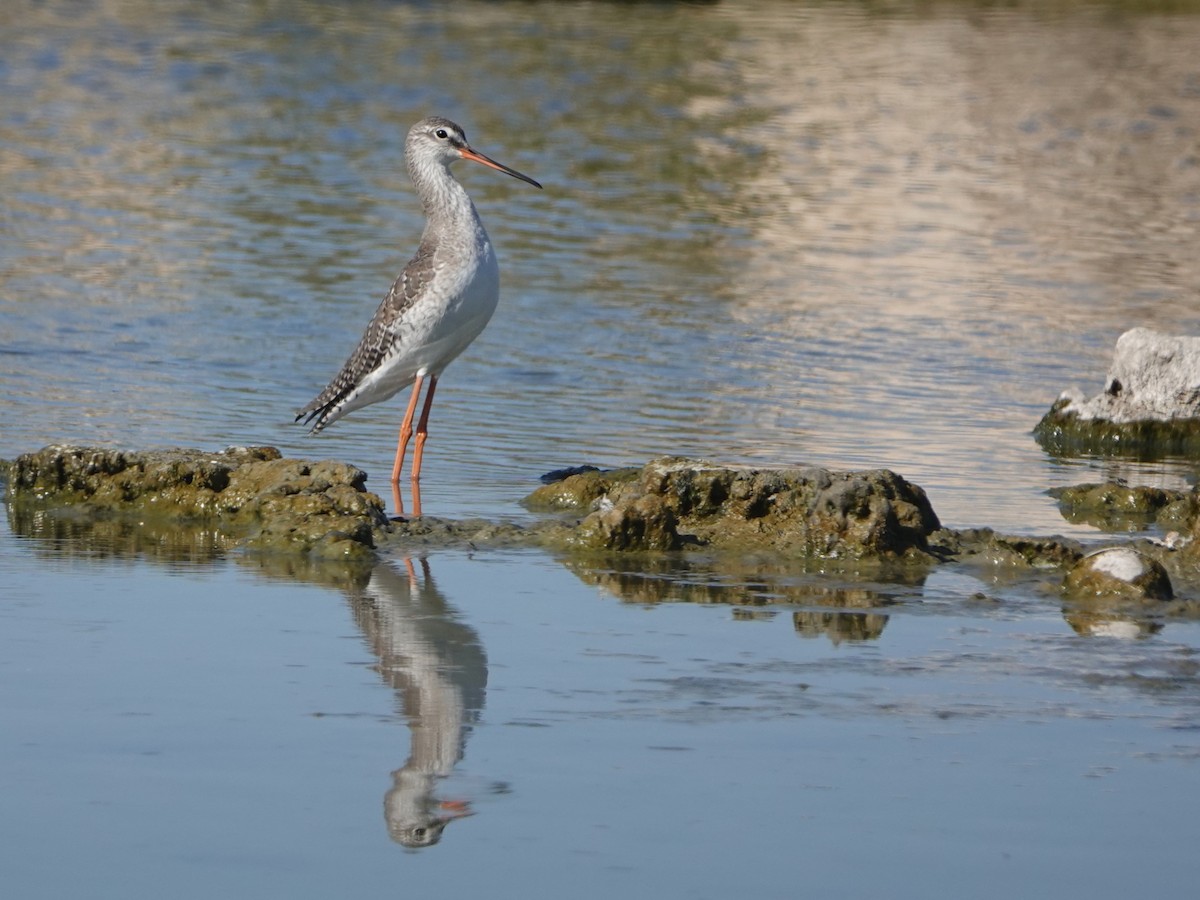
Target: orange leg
x=419, y=446
x=406, y=431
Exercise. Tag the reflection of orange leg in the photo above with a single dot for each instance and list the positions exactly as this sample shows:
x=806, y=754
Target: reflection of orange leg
x=406, y=430
x=413, y=581
x=419, y=446
x=416, y=495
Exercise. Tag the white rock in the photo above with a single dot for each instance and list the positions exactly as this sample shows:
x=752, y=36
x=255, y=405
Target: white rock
x=1153, y=376
x=1121, y=563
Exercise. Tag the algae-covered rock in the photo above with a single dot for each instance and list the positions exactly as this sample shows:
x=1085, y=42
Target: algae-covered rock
x=1113, y=506
x=181, y=482
x=318, y=517
x=1118, y=573
x=803, y=511
x=1064, y=432
x=1121, y=507
x=642, y=523
x=270, y=503
x=1008, y=550
x=800, y=511
x=1150, y=405
x=577, y=488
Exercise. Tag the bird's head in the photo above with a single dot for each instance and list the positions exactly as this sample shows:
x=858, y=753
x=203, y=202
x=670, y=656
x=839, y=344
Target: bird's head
x=435, y=139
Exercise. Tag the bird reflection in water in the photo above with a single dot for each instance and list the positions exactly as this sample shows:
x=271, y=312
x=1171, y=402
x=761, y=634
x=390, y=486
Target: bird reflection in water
x=438, y=668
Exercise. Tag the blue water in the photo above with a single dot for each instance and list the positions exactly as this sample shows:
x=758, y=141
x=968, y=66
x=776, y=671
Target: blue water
x=213, y=731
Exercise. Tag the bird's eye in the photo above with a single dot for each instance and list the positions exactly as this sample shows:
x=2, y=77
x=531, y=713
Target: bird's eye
x=442, y=134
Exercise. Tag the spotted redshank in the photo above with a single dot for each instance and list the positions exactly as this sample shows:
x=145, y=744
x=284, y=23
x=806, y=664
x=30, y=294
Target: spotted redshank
x=439, y=304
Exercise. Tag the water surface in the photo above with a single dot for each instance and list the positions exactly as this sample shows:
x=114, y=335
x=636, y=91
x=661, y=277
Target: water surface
x=772, y=233
x=190, y=729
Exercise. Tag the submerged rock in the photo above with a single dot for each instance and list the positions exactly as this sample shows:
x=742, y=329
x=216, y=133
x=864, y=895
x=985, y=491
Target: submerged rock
x=270, y=503
x=1114, y=506
x=983, y=545
x=1150, y=405
x=1119, y=507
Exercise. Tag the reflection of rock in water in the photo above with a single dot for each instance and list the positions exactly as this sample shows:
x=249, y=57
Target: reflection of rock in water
x=438, y=668
x=746, y=583
x=749, y=581
x=840, y=626
x=67, y=533
x=1101, y=624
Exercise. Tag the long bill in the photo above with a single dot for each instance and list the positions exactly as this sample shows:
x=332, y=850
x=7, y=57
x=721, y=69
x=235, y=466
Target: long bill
x=476, y=156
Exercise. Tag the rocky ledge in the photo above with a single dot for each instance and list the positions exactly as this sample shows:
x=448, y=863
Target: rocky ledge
x=252, y=495
x=673, y=504
x=866, y=521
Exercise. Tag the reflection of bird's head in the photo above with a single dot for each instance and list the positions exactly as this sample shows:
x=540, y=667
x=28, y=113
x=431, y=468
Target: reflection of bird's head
x=415, y=819
x=416, y=836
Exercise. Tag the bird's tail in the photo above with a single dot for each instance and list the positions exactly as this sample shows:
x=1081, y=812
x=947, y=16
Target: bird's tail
x=320, y=412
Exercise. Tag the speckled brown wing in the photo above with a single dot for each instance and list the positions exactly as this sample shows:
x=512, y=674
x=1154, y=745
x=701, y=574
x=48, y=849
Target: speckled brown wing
x=377, y=342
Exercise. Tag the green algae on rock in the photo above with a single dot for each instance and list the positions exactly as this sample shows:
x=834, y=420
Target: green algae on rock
x=1113, y=506
x=809, y=512
x=1149, y=408
x=809, y=520
x=1006, y=550
x=643, y=522
x=1118, y=573
x=269, y=503
x=579, y=489
x=1064, y=432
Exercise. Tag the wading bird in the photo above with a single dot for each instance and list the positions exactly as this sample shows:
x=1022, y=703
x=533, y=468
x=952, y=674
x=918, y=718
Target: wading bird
x=439, y=304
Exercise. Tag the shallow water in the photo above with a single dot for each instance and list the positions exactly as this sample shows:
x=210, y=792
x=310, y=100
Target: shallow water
x=771, y=233
x=191, y=729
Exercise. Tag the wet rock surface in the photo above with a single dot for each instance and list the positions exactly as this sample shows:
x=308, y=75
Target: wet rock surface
x=870, y=524
x=1113, y=506
x=253, y=496
x=674, y=503
x=1150, y=405
x=1118, y=573
x=578, y=488
x=986, y=547
x=1127, y=591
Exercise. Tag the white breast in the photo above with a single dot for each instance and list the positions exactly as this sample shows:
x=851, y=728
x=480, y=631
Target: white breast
x=456, y=307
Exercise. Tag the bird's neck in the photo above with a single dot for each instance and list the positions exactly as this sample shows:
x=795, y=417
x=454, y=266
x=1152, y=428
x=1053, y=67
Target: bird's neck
x=447, y=207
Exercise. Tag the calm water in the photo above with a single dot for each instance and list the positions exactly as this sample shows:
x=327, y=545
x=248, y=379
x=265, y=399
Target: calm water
x=771, y=233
